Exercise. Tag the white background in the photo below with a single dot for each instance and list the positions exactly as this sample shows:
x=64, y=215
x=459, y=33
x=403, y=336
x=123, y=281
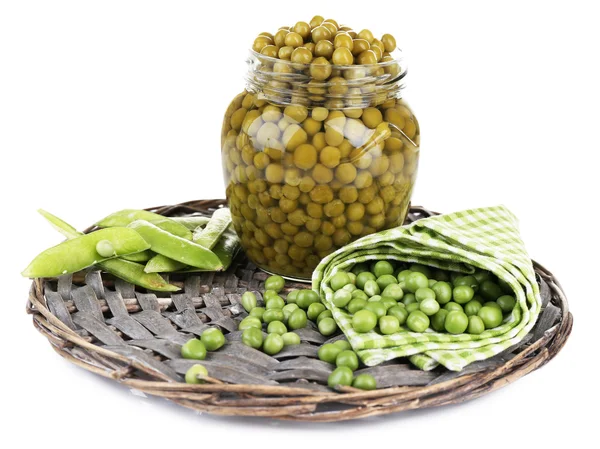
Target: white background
x=114, y=104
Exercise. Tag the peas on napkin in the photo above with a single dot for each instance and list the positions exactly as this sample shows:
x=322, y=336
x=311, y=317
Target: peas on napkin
x=484, y=238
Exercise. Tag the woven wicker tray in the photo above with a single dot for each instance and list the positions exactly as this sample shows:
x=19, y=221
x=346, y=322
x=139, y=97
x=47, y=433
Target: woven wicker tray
x=107, y=326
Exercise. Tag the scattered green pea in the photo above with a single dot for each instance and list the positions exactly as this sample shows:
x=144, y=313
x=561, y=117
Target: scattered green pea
x=273, y=344
x=356, y=304
x=213, y=338
x=323, y=315
x=329, y=352
x=341, y=298
x=339, y=280
x=429, y=306
x=424, y=293
x=507, y=303
x=417, y=321
x=250, y=322
x=290, y=338
x=257, y=312
x=275, y=303
x=388, y=302
x=490, y=290
x=195, y=373
x=364, y=321
x=362, y=278
x=275, y=315
x=297, y=320
x=268, y=294
x=343, y=344
x=456, y=322
x=385, y=280
x=306, y=297
x=276, y=327
x=377, y=308
x=418, y=268
x=493, y=304
x=389, y=324
x=359, y=294
x=371, y=288
x=327, y=326
x=469, y=281
x=491, y=316
x=443, y=292
x=193, y=349
x=341, y=376
x=252, y=337
x=288, y=309
x=403, y=275
x=364, y=382
x=399, y=312
x=347, y=358
x=476, y=325
x=291, y=296
x=248, y=301
x=275, y=283
x=393, y=291
x=451, y=306
x=314, y=310
x=415, y=281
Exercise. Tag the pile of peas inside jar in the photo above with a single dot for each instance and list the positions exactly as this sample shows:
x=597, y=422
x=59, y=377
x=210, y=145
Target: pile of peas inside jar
x=384, y=298
x=320, y=149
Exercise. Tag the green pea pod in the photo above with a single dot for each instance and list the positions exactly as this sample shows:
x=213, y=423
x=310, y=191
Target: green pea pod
x=177, y=248
x=128, y=216
x=134, y=273
x=80, y=252
x=144, y=256
x=123, y=269
x=163, y=264
x=226, y=249
x=210, y=235
x=193, y=222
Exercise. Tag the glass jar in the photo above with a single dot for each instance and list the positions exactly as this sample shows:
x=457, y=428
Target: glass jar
x=316, y=156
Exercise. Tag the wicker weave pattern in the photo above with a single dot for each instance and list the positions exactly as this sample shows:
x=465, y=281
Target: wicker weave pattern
x=108, y=327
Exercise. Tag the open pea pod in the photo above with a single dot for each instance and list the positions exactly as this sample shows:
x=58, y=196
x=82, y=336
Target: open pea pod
x=226, y=249
x=177, y=248
x=192, y=222
x=123, y=269
x=211, y=233
x=163, y=264
x=80, y=252
x=127, y=216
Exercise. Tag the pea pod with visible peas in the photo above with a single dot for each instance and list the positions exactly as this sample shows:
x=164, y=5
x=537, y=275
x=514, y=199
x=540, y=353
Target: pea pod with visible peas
x=218, y=224
x=123, y=269
x=177, y=248
x=80, y=252
x=127, y=216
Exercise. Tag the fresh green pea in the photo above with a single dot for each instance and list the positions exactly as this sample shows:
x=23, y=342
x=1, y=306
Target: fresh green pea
x=385, y=280
x=252, y=337
x=314, y=310
x=482, y=275
x=375, y=298
x=343, y=344
x=329, y=352
x=292, y=296
x=505, y=287
x=250, y=322
x=493, y=304
x=438, y=320
x=418, y=268
x=362, y=278
x=355, y=305
x=393, y=291
x=424, y=293
x=177, y=248
x=417, y=321
x=338, y=280
x=288, y=309
x=470, y=281
x=359, y=294
x=257, y=312
x=105, y=248
x=371, y=288
x=476, y=325
x=347, y=358
x=456, y=322
x=432, y=282
x=364, y=321
x=195, y=373
x=409, y=298
x=307, y=297
x=275, y=315
x=213, y=338
x=454, y=276
x=429, y=306
x=462, y=294
x=276, y=327
x=383, y=267
x=275, y=283
x=490, y=290
x=451, y=306
x=275, y=303
x=341, y=376
x=248, y=301
x=269, y=294
x=472, y=307
x=349, y=287
x=491, y=316
x=389, y=324
x=290, y=338
x=364, y=382
x=403, y=275
x=443, y=292
x=193, y=349
x=377, y=308
x=388, y=302
x=352, y=277
x=412, y=307
x=327, y=326
x=506, y=303
x=341, y=298
x=273, y=344
x=323, y=315
x=399, y=312
x=297, y=320
x=415, y=281
x=359, y=268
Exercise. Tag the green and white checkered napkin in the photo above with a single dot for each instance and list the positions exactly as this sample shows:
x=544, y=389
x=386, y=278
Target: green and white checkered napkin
x=485, y=238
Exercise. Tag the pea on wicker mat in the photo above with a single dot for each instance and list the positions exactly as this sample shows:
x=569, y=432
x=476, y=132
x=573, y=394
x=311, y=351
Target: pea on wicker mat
x=114, y=329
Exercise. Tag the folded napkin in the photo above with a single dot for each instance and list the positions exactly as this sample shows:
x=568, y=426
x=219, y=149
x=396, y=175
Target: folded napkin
x=485, y=238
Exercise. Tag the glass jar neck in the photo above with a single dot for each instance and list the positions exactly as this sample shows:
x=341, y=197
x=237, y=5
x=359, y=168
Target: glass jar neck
x=334, y=87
